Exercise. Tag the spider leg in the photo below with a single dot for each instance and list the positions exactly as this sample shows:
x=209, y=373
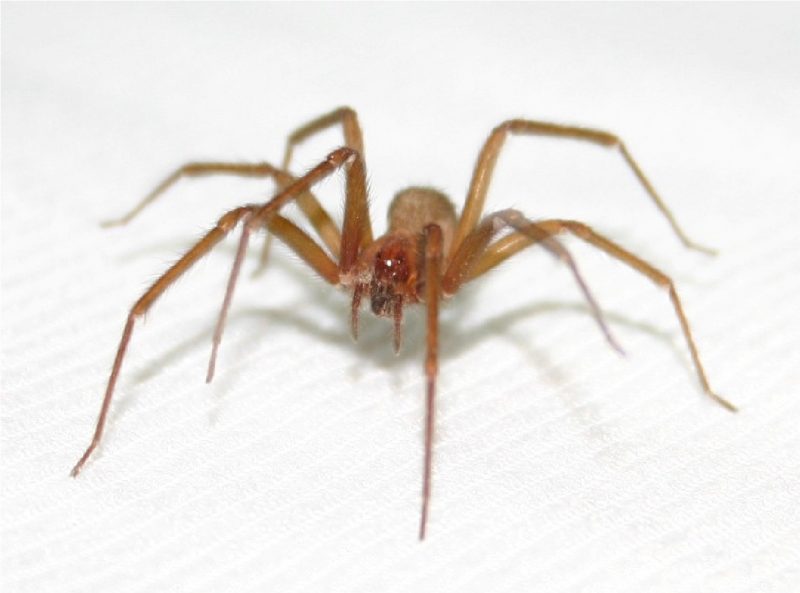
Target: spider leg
x=475, y=253
x=433, y=263
x=487, y=159
x=299, y=242
x=201, y=248
x=356, y=220
x=508, y=246
x=587, y=234
x=320, y=220
x=201, y=169
x=357, y=232
x=226, y=302
x=358, y=292
x=353, y=138
x=357, y=228
x=325, y=227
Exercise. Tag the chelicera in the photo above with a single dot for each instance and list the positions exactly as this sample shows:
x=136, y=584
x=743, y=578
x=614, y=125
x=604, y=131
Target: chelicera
x=428, y=253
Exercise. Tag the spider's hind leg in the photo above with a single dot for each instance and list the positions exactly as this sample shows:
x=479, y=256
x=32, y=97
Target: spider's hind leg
x=587, y=234
x=515, y=242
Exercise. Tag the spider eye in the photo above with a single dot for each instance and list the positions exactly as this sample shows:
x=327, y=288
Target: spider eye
x=391, y=267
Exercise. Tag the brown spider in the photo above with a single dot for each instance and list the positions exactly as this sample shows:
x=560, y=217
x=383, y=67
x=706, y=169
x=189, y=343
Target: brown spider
x=428, y=253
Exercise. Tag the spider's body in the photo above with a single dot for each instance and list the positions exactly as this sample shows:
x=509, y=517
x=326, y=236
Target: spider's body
x=391, y=269
x=427, y=254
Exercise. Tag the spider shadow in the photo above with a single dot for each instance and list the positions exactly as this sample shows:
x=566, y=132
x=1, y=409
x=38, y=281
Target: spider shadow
x=374, y=344
x=375, y=340
x=323, y=316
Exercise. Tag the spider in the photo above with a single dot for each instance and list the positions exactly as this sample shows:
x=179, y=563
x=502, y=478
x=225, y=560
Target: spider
x=428, y=253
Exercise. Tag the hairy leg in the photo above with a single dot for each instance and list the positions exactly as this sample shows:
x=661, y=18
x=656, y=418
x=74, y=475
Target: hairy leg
x=256, y=217
x=487, y=159
x=508, y=246
x=475, y=249
x=357, y=228
x=656, y=276
x=320, y=220
x=200, y=249
x=433, y=294
x=299, y=242
x=356, y=233
x=353, y=138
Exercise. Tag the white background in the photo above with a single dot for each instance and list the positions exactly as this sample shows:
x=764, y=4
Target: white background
x=559, y=465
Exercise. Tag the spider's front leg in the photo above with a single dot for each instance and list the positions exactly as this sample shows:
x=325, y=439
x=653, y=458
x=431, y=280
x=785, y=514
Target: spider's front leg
x=200, y=249
x=356, y=234
x=353, y=138
x=433, y=242
x=356, y=220
x=299, y=242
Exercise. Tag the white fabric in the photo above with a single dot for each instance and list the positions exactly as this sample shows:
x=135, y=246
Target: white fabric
x=559, y=465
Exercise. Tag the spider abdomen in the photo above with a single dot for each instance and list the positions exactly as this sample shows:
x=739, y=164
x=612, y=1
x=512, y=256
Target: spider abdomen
x=415, y=207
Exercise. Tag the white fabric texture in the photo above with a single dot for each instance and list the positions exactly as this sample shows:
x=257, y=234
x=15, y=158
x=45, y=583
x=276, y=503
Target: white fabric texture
x=560, y=466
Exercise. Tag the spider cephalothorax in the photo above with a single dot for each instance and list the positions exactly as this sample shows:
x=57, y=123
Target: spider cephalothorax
x=390, y=268
x=426, y=255
x=394, y=273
